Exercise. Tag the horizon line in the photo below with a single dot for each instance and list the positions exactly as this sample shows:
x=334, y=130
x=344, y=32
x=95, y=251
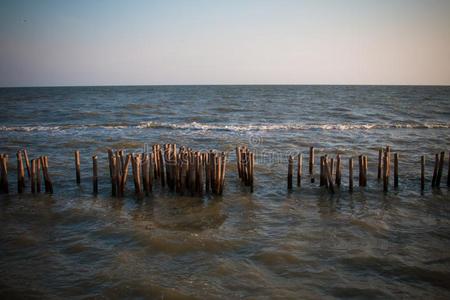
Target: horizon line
x=223, y=84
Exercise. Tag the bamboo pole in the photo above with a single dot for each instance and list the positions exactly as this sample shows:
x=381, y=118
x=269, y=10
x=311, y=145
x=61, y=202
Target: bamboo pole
x=311, y=163
x=350, y=174
x=77, y=166
x=20, y=173
x=436, y=166
x=299, y=169
x=338, y=170
x=38, y=175
x=422, y=172
x=33, y=176
x=440, y=169
x=27, y=162
x=4, y=174
x=380, y=163
x=94, y=175
x=395, y=170
x=290, y=171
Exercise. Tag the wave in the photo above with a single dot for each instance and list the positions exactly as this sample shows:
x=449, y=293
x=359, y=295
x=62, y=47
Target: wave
x=231, y=127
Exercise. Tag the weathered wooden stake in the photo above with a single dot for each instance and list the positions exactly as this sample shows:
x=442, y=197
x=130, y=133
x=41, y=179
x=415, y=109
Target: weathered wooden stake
x=350, y=174
x=380, y=163
x=94, y=175
x=20, y=173
x=77, y=166
x=448, y=175
x=290, y=171
x=422, y=172
x=385, y=172
x=338, y=170
x=435, y=170
x=38, y=175
x=4, y=173
x=395, y=170
x=311, y=163
x=440, y=169
x=27, y=162
x=33, y=176
x=299, y=169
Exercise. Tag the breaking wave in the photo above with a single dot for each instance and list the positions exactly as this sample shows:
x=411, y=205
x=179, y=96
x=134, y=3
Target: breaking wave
x=231, y=127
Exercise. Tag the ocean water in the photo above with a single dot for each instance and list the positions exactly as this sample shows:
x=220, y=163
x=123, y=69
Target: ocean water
x=304, y=244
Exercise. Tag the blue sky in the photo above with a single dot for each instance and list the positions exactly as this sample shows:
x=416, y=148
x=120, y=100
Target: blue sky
x=224, y=42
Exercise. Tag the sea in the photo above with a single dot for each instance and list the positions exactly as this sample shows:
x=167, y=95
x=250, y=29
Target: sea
x=306, y=243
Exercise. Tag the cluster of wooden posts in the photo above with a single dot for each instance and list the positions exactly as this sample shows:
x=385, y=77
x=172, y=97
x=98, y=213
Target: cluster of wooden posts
x=33, y=172
x=245, y=160
x=331, y=170
x=186, y=172
x=189, y=172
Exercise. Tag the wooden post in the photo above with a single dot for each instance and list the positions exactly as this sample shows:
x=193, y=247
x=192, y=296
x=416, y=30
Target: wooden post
x=436, y=166
x=338, y=170
x=299, y=169
x=20, y=173
x=94, y=175
x=361, y=170
x=77, y=166
x=366, y=169
x=440, y=169
x=38, y=175
x=422, y=172
x=350, y=174
x=48, y=181
x=290, y=171
x=331, y=166
x=33, y=176
x=311, y=163
x=27, y=162
x=385, y=172
x=252, y=173
x=395, y=170
x=328, y=174
x=448, y=175
x=138, y=174
x=125, y=175
x=4, y=173
x=380, y=162
x=238, y=161
x=114, y=176
x=321, y=172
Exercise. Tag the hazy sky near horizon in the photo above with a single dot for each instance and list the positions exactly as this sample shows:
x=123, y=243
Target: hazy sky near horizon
x=224, y=42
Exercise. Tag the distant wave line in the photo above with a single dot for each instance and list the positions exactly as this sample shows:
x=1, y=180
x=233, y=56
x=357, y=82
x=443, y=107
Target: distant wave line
x=231, y=127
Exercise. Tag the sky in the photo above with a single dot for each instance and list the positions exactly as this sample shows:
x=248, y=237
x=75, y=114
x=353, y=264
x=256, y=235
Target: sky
x=96, y=42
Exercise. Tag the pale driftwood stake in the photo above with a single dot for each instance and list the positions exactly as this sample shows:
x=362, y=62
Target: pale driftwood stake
x=299, y=169
x=422, y=172
x=395, y=170
x=440, y=169
x=27, y=162
x=380, y=162
x=290, y=171
x=94, y=175
x=311, y=163
x=20, y=173
x=77, y=166
x=436, y=166
x=350, y=174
